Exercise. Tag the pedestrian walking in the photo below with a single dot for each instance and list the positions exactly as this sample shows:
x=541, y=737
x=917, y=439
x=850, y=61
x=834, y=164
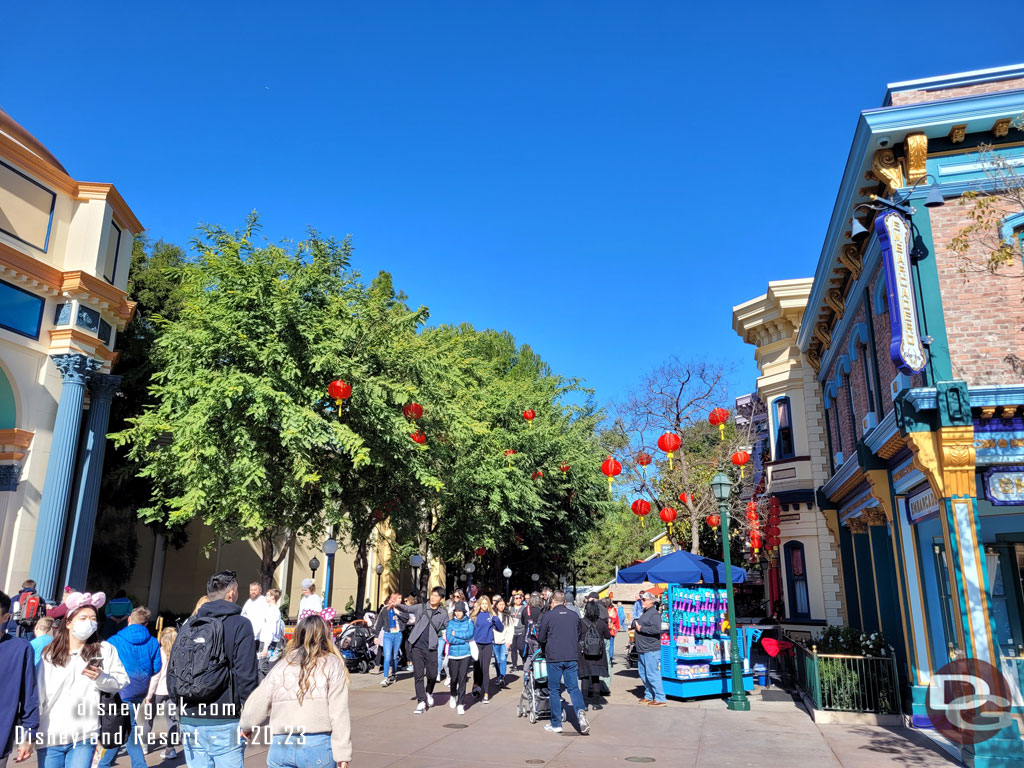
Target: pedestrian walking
x=271, y=632
x=406, y=658
x=647, y=639
x=255, y=607
x=310, y=601
x=26, y=609
x=502, y=639
x=388, y=628
x=19, y=698
x=593, y=666
x=158, y=701
x=211, y=672
x=517, y=649
x=43, y=637
x=459, y=635
x=613, y=630
x=115, y=615
x=560, y=633
x=427, y=624
x=305, y=698
x=76, y=667
x=139, y=652
x=484, y=624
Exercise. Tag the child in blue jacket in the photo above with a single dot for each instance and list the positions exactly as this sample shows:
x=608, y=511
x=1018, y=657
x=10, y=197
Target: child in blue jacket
x=458, y=634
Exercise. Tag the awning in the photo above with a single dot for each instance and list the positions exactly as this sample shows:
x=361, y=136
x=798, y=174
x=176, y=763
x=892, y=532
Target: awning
x=680, y=568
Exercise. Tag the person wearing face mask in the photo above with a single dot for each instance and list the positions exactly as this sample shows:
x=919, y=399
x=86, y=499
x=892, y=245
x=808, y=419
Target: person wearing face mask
x=75, y=667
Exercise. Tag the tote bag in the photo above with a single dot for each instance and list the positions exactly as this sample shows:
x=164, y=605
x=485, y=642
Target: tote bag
x=474, y=650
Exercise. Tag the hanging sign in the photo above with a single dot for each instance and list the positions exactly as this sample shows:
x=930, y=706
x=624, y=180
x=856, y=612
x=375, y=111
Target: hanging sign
x=1005, y=486
x=906, y=348
x=922, y=505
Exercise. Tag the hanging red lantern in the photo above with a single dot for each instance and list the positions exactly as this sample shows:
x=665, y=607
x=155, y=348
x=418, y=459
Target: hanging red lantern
x=773, y=530
x=418, y=437
x=610, y=467
x=773, y=504
x=755, y=540
x=564, y=468
x=752, y=515
x=537, y=475
x=669, y=443
x=751, y=506
x=529, y=414
x=686, y=498
x=667, y=515
x=713, y=520
x=739, y=459
x=413, y=411
x=641, y=508
x=480, y=551
x=718, y=417
x=644, y=459
x=509, y=453
x=339, y=390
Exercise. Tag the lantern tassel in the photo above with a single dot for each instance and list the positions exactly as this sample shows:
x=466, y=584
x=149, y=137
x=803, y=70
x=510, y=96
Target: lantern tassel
x=721, y=431
x=741, y=473
x=609, y=485
x=642, y=525
x=670, y=459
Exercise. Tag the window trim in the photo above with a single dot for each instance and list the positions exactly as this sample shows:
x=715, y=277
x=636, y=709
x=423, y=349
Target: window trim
x=39, y=321
x=776, y=408
x=788, y=548
x=49, y=223
x=117, y=253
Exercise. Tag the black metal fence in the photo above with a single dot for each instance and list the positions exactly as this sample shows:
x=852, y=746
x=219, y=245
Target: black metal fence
x=842, y=683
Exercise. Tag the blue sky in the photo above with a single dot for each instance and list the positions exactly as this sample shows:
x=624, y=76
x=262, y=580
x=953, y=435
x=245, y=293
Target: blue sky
x=603, y=179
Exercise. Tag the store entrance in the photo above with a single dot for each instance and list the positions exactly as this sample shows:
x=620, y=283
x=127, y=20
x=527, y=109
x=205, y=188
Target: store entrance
x=1005, y=562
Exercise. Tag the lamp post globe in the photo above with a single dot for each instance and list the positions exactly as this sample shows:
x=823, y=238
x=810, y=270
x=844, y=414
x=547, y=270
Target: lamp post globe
x=416, y=560
x=507, y=573
x=314, y=563
x=329, y=548
x=470, y=567
x=535, y=577
x=378, y=569
x=721, y=487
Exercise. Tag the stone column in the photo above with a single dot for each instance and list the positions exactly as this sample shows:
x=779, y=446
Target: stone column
x=102, y=387
x=53, y=508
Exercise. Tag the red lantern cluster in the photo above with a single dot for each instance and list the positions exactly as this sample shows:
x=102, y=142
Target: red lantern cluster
x=339, y=390
x=641, y=508
x=610, y=468
x=755, y=525
x=718, y=417
x=669, y=443
x=739, y=459
x=418, y=437
x=413, y=411
x=773, y=530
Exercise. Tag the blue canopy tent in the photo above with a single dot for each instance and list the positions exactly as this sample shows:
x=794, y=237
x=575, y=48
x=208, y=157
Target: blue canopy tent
x=680, y=568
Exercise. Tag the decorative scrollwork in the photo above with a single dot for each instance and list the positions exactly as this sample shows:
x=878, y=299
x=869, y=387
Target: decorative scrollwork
x=834, y=298
x=917, y=154
x=850, y=258
x=886, y=168
x=823, y=333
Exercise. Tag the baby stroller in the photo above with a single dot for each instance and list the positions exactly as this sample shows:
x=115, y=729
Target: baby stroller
x=533, y=702
x=355, y=645
x=632, y=657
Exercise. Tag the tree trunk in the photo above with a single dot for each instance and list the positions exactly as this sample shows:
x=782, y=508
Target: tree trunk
x=268, y=562
x=361, y=562
x=694, y=532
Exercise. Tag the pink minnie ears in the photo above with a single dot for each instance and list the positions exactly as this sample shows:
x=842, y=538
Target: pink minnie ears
x=327, y=614
x=81, y=599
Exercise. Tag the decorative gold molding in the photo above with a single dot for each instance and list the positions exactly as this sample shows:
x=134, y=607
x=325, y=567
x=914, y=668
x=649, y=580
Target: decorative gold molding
x=958, y=133
x=823, y=333
x=917, y=153
x=878, y=479
x=1008, y=411
x=849, y=257
x=892, y=446
x=14, y=443
x=868, y=191
x=988, y=412
x=1002, y=127
x=834, y=298
x=925, y=449
x=958, y=461
x=886, y=169
x=832, y=523
x=874, y=516
x=814, y=358
x=857, y=525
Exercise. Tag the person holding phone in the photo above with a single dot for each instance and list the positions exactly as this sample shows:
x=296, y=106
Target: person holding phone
x=74, y=668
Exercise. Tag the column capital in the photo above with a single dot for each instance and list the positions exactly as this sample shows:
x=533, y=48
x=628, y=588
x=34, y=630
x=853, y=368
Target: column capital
x=75, y=368
x=104, y=386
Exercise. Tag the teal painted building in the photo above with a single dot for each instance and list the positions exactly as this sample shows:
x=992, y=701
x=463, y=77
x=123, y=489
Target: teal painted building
x=919, y=355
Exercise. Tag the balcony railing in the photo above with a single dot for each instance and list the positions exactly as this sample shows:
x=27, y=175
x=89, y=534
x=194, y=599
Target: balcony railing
x=840, y=683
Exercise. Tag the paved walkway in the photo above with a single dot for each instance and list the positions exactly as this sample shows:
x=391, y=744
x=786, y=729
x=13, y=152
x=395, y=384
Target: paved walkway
x=699, y=734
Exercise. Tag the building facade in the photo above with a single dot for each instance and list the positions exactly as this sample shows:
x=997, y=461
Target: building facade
x=790, y=461
x=916, y=380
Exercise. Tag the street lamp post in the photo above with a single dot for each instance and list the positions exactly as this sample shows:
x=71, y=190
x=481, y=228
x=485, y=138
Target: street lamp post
x=470, y=567
x=535, y=577
x=329, y=548
x=721, y=486
x=378, y=569
x=507, y=573
x=575, y=568
x=416, y=561
x=314, y=564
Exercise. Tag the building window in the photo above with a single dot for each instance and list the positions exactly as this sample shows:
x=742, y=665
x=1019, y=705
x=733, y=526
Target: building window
x=796, y=579
x=104, y=332
x=26, y=208
x=869, y=376
x=113, y=246
x=783, y=417
x=20, y=311
x=828, y=436
x=853, y=413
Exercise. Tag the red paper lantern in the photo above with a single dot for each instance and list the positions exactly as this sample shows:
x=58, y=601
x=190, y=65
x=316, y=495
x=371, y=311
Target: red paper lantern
x=773, y=530
x=537, y=475
x=669, y=443
x=686, y=498
x=714, y=520
x=643, y=459
x=564, y=468
x=755, y=540
x=610, y=467
x=529, y=414
x=773, y=504
x=413, y=411
x=667, y=515
x=641, y=507
x=480, y=551
x=339, y=390
x=718, y=417
x=752, y=515
x=509, y=453
x=739, y=459
x=751, y=506
x=418, y=437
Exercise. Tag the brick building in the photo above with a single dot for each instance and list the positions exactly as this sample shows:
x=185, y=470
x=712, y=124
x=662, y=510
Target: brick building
x=920, y=389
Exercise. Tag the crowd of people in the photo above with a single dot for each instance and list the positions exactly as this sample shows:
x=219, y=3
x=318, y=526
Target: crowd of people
x=81, y=693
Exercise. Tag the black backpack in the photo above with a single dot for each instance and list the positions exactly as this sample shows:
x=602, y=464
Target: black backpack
x=532, y=624
x=593, y=643
x=198, y=669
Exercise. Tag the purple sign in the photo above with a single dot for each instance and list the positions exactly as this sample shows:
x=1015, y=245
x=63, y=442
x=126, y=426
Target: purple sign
x=906, y=349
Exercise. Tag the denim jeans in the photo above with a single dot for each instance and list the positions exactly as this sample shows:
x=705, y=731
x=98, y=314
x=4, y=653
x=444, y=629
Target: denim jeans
x=649, y=665
x=132, y=745
x=308, y=750
x=69, y=756
x=440, y=655
x=500, y=656
x=609, y=649
x=566, y=672
x=217, y=745
x=392, y=645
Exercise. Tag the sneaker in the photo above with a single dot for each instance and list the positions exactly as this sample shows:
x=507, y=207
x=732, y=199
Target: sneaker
x=451, y=702
x=658, y=704
x=462, y=710
x=430, y=699
x=385, y=682
x=439, y=678
x=553, y=728
x=584, y=723
x=420, y=708
x=171, y=754
x=379, y=671
x=487, y=699
x=476, y=692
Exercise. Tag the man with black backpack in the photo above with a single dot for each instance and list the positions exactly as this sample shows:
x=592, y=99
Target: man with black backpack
x=210, y=673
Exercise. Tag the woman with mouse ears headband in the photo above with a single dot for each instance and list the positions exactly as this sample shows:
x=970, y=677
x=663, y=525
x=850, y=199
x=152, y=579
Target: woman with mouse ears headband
x=75, y=667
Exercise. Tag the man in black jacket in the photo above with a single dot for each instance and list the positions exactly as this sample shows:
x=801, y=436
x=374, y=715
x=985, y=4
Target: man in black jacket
x=647, y=638
x=428, y=621
x=560, y=634
x=209, y=729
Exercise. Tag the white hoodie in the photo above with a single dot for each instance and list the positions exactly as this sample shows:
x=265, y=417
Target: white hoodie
x=69, y=701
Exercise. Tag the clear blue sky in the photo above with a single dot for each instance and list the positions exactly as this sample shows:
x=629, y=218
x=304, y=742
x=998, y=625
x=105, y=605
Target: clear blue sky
x=603, y=179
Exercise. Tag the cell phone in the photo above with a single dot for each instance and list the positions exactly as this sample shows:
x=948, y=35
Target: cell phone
x=96, y=662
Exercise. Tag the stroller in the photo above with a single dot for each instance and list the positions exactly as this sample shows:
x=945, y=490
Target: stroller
x=533, y=702
x=355, y=645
